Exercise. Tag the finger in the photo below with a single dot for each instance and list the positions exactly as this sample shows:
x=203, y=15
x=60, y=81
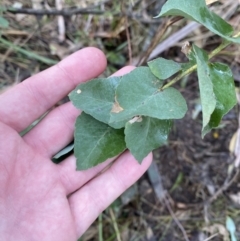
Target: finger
x=88, y=202
x=26, y=102
x=56, y=129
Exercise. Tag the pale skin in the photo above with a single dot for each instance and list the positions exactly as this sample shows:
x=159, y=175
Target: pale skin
x=40, y=200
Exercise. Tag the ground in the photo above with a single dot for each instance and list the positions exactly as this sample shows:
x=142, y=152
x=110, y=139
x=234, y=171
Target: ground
x=197, y=179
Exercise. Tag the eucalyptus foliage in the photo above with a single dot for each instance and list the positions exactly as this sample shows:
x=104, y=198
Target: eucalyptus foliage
x=136, y=111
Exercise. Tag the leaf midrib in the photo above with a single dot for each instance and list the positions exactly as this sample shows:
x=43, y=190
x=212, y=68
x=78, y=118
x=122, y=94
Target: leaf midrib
x=97, y=143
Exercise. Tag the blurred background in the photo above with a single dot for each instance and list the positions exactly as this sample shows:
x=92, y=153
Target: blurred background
x=193, y=186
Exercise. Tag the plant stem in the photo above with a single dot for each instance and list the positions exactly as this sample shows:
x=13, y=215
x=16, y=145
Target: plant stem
x=180, y=76
x=28, y=53
x=100, y=228
x=115, y=224
x=222, y=46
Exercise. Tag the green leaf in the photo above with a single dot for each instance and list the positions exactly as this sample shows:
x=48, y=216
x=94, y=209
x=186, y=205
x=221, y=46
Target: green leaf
x=95, y=142
x=217, y=90
x=199, y=12
x=139, y=94
x=178, y=182
x=3, y=22
x=224, y=90
x=164, y=68
x=208, y=100
x=96, y=98
x=145, y=135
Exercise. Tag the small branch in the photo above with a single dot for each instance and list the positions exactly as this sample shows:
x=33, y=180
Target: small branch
x=75, y=11
x=159, y=35
x=211, y=237
x=128, y=34
x=180, y=76
x=61, y=22
x=224, y=187
x=173, y=39
x=63, y=12
x=115, y=224
x=176, y=219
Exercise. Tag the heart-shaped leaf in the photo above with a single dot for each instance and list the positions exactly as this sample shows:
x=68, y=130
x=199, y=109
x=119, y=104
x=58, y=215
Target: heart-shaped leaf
x=141, y=94
x=95, y=142
x=97, y=98
x=146, y=134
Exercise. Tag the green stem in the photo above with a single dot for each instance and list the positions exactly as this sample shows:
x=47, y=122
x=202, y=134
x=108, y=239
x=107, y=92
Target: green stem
x=222, y=46
x=115, y=225
x=100, y=228
x=28, y=53
x=180, y=76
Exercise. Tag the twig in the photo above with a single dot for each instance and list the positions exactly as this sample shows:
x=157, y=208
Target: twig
x=115, y=224
x=61, y=22
x=224, y=187
x=156, y=182
x=76, y=11
x=173, y=39
x=176, y=220
x=63, y=12
x=160, y=33
x=128, y=35
x=212, y=236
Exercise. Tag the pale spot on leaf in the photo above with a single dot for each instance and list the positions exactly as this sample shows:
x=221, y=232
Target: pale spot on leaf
x=136, y=119
x=79, y=91
x=116, y=107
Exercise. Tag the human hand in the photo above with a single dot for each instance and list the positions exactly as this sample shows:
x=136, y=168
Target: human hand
x=40, y=200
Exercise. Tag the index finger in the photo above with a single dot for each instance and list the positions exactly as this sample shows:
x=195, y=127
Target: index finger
x=26, y=102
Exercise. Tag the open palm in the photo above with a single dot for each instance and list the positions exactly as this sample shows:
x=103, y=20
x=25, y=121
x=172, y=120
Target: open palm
x=40, y=200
